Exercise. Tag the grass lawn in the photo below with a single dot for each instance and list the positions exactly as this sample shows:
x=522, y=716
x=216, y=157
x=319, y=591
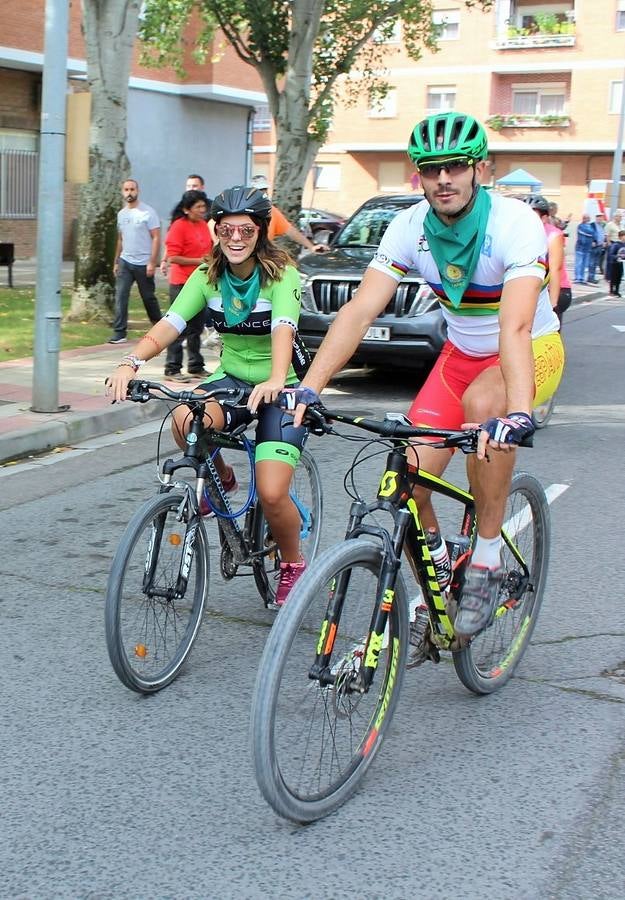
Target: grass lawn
x=17, y=322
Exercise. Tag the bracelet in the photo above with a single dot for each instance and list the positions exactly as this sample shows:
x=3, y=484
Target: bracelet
x=127, y=365
x=149, y=337
x=133, y=361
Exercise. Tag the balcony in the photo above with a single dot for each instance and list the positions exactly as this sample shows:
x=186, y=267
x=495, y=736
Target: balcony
x=521, y=27
x=518, y=120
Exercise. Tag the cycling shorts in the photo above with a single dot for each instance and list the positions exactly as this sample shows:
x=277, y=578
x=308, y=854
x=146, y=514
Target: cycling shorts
x=439, y=402
x=276, y=436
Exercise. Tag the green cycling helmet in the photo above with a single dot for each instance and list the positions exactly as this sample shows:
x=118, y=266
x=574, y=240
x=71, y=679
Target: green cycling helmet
x=447, y=134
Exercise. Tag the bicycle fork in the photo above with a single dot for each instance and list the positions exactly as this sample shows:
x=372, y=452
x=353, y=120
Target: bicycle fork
x=360, y=677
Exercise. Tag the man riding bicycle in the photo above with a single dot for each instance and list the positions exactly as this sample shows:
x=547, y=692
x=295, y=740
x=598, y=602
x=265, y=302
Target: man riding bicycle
x=485, y=257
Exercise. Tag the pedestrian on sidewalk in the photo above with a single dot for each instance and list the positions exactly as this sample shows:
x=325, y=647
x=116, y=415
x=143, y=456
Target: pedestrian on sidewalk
x=583, y=247
x=187, y=244
x=598, y=249
x=616, y=256
x=612, y=230
x=136, y=258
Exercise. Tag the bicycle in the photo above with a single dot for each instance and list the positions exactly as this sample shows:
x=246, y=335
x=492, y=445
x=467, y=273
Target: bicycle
x=159, y=578
x=542, y=413
x=332, y=668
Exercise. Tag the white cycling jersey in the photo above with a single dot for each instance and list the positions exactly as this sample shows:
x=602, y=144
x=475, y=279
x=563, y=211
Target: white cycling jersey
x=514, y=246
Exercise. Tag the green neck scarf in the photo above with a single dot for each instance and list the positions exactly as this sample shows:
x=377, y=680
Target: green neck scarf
x=239, y=295
x=456, y=248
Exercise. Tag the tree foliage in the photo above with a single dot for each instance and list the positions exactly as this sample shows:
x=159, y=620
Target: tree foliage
x=300, y=48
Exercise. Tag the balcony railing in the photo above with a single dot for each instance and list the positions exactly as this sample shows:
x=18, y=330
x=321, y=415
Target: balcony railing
x=522, y=39
x=516, y=120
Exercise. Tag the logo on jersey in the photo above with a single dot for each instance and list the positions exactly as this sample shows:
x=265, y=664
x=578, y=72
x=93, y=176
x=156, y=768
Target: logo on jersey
x=454, y=274
x=382, y=258
x=422, y=245
x=487, y=246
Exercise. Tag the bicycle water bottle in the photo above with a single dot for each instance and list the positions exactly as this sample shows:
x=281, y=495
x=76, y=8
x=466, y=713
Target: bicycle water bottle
x=458, y=547
x=440, y=557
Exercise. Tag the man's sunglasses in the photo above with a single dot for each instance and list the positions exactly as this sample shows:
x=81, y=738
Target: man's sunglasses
x=451, y=166
x=245, y=231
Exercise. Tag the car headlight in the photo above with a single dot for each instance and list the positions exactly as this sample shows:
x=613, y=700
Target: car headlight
x=308, y=301
x=424, y=301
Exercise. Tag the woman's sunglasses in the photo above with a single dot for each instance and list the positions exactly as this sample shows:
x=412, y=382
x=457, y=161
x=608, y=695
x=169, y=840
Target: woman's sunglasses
x=451, y=166
x=245, y=231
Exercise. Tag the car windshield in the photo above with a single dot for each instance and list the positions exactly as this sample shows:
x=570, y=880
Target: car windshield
x=367, y=227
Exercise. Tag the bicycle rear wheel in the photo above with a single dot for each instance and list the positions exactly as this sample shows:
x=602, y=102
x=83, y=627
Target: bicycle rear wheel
x=156, y=593
x=306, y=493
x=311, y=742
x=489, y=660
x=542, y=413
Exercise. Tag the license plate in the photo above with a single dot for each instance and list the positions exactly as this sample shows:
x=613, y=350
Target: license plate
x=377, y=333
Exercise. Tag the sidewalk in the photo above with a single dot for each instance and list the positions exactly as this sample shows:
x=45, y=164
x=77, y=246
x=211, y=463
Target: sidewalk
x=81, y=387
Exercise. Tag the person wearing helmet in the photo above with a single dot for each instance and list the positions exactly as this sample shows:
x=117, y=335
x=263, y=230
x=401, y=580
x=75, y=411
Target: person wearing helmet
x=252, y=291
x=484, y=256
x=559, y=281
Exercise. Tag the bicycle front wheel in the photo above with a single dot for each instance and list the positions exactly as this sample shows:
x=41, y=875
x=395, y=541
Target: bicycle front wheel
x=314, y=738
x=489, y=660
x=305, y=491
x=156, y=593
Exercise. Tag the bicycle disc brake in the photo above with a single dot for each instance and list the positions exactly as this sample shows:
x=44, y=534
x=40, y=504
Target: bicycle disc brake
x=347, y=690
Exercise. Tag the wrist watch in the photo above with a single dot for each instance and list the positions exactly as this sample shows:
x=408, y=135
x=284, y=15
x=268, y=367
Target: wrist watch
x=134, y=361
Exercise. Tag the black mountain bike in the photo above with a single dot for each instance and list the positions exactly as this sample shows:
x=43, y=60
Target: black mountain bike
x=160, y=575
x=332, y=668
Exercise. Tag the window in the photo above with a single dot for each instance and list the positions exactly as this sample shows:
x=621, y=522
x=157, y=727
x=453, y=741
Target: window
x=543, y=100
x=328, y=177
x=441, y=98
x=392, y=176
x=616, y=96
x=262, y=119
x=19, y=168
x=448, y=22
x=620, y=15
x=383, y=107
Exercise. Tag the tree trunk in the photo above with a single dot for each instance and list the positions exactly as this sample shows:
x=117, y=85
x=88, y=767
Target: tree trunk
x=110, y=28
x=295, y=149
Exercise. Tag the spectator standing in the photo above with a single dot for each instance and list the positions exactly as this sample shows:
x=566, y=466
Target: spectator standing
x=562, y=224
x=279, y=226
x=598, y=249
x=584, y=240
x=612, y=230
x=136, y=258
x=187, y=244
x=615, y=258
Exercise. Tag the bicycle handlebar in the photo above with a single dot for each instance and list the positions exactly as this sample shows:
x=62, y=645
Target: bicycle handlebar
x=140, y=391
x=397, y=430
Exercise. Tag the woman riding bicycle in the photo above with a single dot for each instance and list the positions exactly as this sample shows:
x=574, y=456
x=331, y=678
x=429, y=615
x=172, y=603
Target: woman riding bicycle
x=251, y=290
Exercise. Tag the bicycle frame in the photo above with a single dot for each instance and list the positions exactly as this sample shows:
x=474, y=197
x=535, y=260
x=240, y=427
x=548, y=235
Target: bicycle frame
x=395, y=497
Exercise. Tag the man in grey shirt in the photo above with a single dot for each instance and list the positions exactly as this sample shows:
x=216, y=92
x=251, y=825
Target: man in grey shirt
x=136, y=258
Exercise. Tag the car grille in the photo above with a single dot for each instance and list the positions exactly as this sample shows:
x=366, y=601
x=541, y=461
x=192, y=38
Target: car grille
x=331, y=295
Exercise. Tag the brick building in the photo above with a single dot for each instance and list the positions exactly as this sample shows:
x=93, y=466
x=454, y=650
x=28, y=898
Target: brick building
x=202, y=123
x=547, y=78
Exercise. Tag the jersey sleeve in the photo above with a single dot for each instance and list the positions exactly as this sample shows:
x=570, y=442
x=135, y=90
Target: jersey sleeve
x=153, y=219
x=279, y=223
x=525, y=249
x=192, y=298
x=286, y=299
x=394, y=257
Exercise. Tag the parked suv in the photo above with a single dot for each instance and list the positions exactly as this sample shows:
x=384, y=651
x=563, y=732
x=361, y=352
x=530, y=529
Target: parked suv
x=410, y=331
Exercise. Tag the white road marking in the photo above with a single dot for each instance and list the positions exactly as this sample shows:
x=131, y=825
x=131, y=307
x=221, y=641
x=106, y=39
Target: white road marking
x=619, y=327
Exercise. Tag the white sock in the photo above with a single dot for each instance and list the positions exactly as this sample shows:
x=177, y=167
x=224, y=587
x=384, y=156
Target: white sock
x=487, y=552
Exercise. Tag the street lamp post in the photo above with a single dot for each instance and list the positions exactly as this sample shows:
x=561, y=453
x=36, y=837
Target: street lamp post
x=617, y=166
x=50, y=210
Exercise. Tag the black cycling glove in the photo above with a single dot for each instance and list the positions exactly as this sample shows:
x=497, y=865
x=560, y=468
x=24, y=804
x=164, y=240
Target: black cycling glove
x=510, y=429
x=290, y=397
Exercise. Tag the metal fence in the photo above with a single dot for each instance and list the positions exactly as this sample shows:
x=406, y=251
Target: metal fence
x=18, y=184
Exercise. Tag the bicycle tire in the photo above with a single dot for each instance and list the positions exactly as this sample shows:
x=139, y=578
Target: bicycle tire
x=149, y=638
x=489, y=661
x=286, y=771
x=542, y=413
x=307, y=486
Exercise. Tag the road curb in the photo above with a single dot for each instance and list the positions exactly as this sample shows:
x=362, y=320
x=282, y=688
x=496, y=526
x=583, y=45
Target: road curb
x=74, y=428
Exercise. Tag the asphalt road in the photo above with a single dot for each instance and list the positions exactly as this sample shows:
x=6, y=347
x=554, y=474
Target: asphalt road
x=106, y=794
